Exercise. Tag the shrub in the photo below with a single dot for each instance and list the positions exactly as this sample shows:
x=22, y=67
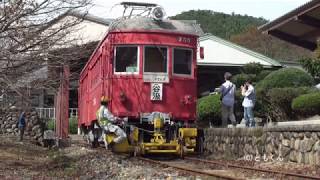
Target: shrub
x=209, y=109
x=50, y=124
x=238, y=109
x=311, y=65
x=262, y=75
x=261, y=102
x=73, y=125
x=286, y=77
x=240, y=79
x=252, y=68
x=309, y=104
x=277, y=109
x=281, y=98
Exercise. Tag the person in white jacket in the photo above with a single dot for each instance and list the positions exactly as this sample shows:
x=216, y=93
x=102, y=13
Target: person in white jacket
x=107, y=121
x=248, y=103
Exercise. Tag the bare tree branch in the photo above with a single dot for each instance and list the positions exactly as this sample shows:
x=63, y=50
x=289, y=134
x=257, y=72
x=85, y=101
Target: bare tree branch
x=30, y=30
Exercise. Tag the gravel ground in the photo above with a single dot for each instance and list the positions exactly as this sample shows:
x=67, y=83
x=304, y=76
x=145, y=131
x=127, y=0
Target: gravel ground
x=28, y=161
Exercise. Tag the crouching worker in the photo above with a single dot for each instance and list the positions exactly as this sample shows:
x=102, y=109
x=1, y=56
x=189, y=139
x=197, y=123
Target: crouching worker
x=108, y=121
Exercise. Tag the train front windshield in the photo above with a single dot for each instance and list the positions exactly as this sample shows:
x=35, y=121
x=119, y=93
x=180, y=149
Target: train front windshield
x=126, y=59
x=155, y=60
x=182, y=61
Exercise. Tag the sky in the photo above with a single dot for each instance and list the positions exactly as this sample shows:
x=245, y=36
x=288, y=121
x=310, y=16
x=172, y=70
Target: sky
x=268, y=9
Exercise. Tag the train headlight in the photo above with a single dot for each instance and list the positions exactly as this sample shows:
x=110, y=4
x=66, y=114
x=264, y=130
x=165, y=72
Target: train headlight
x=158, y=13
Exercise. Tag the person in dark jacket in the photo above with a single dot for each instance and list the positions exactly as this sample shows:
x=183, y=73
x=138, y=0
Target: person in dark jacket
x=227, y=90
x=22, y=124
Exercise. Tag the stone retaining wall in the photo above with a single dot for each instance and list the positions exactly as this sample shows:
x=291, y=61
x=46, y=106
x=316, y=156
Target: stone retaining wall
x=9, y=119
x=289, y=144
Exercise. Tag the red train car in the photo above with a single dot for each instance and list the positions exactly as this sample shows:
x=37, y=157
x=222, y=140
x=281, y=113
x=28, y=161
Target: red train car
x=143, y=65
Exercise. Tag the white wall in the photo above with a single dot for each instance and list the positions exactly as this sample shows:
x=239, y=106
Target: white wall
x=82, y=33
x=217, y=53
x=88, y=31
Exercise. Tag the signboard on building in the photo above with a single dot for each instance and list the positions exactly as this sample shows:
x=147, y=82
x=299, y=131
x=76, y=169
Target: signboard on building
x=156, y=91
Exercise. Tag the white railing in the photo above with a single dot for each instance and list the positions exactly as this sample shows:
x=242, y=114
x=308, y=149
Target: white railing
x=49, y=113
x=73, y=112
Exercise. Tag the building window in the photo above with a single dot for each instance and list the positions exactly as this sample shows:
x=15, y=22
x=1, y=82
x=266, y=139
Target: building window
x=155, y=60
x=49, y=101
x=182, y=61
x=126, y=59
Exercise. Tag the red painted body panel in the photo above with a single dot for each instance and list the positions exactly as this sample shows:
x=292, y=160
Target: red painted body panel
x=98, y=79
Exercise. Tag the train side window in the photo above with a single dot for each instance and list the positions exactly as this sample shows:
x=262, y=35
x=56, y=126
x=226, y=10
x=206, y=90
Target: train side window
x=126, y=59
x=182, y=61
x=155, y=60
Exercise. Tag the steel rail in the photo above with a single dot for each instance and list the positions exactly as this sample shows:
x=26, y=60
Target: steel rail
x=253, y=168
x=189, y=169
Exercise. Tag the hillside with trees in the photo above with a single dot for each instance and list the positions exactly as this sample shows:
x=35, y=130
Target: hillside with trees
x=220, y=24
x=270, y=46
x=242, y=30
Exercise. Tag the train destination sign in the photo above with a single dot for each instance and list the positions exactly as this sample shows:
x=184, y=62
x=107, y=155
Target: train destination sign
x=156, y=91
x=156, y=78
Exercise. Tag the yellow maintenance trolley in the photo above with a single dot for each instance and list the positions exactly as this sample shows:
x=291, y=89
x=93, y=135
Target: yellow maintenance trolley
x=163, y=139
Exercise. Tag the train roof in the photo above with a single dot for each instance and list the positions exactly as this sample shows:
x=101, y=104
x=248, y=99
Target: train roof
x=149, y=24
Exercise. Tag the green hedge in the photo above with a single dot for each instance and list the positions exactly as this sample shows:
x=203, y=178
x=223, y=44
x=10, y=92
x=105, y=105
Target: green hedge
x=262, y=75
x=73, y=125
x=286, y=77
x=252, y=68
x=209, y=109
x=312, y=65
x=280, y=100
x=308, y=103
x=240, y=79
x=284, y=96
x=50, y=124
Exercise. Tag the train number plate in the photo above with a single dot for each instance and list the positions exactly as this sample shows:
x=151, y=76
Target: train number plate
x=156, y=91
x=156, y=78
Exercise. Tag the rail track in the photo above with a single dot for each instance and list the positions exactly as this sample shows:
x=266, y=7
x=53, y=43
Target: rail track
x=186, y=167
x=282, y=173
x=190, y=170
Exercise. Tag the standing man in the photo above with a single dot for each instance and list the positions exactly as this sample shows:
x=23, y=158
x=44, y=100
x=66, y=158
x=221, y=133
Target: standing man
x=22, y=125
x=227, y=91
x=248, y=102
x=107, y=122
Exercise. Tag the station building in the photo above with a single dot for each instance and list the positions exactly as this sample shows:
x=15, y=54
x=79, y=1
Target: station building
x=222, y=56
x=300, y=26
